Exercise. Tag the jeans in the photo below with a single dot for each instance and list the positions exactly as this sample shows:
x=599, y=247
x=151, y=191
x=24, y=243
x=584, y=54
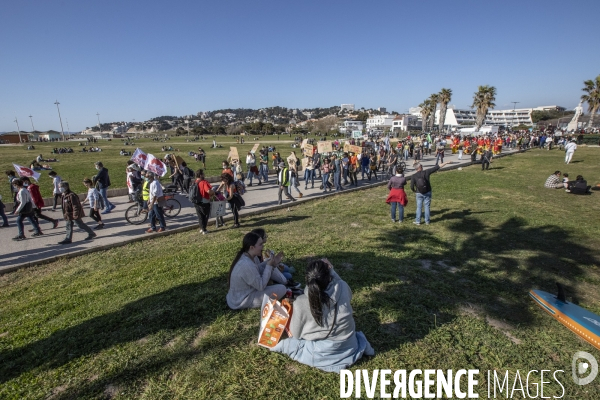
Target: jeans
x=80, y=224
x=251, y=175
x=438, y=157
x=264, y=171
x=325, y=180
x=234, y=210
x=57, y=200
x=394, y=205
x=364, y=171
x=345, y=175
x=107, y=204
x=32, y=220
x=337, y=177
x=426, y=199
x=203, y=212
x=353, y=178
x=293, y=184
x=309, y=174
x=2, y=214
x=157, y=212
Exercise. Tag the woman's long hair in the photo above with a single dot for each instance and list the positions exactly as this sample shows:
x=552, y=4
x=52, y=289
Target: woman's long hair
x=249, y=240
x=317, y=281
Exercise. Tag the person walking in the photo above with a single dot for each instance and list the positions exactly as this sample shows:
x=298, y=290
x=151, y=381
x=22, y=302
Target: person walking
x=231, y=195
x=570, y=150
x=337, y=173
x=56, y=189
x=264, y=165
x=73, y=213
x=419, y=183
x=12, y=176
x=93, y=197
x=38, y=201
x=283, y=180
x=24, y=210
x=252, y=169
x=293, y=164
x=364, y=163
x=309, y=173
x=3, y=214
x=439, y=152
x=102, y=182
x=203, y=207
x=486, y=159
x=155, y=201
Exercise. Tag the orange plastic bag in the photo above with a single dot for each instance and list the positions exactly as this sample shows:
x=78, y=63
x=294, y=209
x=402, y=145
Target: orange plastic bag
x=274, y=320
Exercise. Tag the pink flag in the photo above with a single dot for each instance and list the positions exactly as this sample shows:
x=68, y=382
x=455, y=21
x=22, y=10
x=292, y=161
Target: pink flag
x=28, y=172
x=155, y=165
x=140, y=158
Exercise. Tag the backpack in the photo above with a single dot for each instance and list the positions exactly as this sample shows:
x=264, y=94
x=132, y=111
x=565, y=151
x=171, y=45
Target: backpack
x=194, y=194
x=240, y=187
x=187, y=173
x=422, y=186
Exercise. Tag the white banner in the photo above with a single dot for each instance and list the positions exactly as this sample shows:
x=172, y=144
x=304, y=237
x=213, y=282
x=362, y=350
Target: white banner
x=140, y=158
x=156, y=166
x=28, y=172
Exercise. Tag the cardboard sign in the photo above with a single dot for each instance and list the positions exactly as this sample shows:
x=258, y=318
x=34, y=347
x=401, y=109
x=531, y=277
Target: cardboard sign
x=354, y=149
x=325, y=147
x=304, y=143
x=274, y=321
x=254, y=148
x=304, y=162
x=218, y=208
x=233, y=153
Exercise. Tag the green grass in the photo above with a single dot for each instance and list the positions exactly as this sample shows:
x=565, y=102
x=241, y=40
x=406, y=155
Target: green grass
x=149, y=320
x=74, y=167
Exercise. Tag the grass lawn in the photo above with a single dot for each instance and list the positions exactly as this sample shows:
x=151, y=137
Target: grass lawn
x=74, y=167
x=149, y=320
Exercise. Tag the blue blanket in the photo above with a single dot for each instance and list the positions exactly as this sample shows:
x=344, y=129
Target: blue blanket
x=327, y=355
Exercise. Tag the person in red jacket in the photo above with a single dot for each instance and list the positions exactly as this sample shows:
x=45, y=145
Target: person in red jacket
x=36, y=196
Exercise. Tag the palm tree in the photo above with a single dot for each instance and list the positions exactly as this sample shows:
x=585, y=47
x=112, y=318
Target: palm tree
x=482, y=100
x=425, y=111
x=433, y=101
x=592, y=88
x=444, y=97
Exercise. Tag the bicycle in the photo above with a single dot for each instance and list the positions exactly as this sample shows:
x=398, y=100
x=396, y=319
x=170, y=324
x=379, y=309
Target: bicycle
x=137, y=215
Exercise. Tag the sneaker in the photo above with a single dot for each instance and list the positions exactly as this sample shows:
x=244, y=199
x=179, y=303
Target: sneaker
x=161, y=230
x=400, y=221
x=300, y=195
x=37, y=234
x=112, y=207
x=90, y=237
x=19, y=238
x=65, y=242
x=99, y=227
x=427, y=223
x=150, y=230
x=293, y=284
x=204, y=232
x=278, y=203
x=4, y=226
x=105, y=212
x=236, y=226
x=249, y=184
x=259, y=183
x=55, y=224
x=292, y=199
x=393, y=221
x=416, y=223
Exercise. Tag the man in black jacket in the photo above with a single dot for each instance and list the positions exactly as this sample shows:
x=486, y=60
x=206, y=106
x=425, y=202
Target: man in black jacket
x=102, y=182
x=420, y=184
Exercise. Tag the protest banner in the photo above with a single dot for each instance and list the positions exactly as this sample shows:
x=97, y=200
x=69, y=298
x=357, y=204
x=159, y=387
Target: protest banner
x=254, y=148
x=325, y=147
x=28, y=172
x=155, y=165
x=233, y=153
x=139, y=157
x=354, y=149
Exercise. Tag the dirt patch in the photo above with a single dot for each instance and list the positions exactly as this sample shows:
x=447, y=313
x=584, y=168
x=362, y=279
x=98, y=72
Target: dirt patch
x=3, y=334
x=57, y=391
x=199, y=336
x=425, y=264
x=354, y=225
x=347, y=266
x=292, y=367
x=504, y=328
x=142, y=341
x=93, y=377
x=111, y=391
x=447, y=267
x=392, y=328
x=473, y=310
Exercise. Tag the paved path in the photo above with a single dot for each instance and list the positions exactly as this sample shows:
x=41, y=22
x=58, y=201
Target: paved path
x=43, y=249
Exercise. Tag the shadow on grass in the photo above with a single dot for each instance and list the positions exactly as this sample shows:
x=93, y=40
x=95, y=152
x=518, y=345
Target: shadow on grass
x=190, y=305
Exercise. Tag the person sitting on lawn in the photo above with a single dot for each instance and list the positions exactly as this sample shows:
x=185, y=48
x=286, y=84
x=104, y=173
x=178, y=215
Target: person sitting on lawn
x=579, y=186
x=322, y=325
x=249, y=278
x=553, y=181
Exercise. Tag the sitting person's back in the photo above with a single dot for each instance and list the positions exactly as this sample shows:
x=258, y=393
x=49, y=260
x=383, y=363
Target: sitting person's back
x=322, y=324
x=579, y=186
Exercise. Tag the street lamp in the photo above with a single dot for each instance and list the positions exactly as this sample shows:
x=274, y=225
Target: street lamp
x=59, y=117
x=18, y=130
x=99, y=127
x=32, y=128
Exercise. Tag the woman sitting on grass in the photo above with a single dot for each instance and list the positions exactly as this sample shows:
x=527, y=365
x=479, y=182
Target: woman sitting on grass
x=322, y=325
x=249, y=278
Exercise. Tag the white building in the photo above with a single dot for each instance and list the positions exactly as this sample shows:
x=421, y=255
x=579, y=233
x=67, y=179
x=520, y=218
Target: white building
x=349, y=126
x=380, y=122
x=514, y=117
x=349, y=107
x=404, y=122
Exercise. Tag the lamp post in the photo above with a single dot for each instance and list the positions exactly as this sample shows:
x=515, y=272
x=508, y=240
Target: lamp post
x=32, y=128
x=68, y=130
x=18, y=130
x=59, y=117
x=99, y=127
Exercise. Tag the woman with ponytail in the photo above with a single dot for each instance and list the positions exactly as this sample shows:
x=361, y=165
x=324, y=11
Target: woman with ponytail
x=249, y=278
x=322, y=324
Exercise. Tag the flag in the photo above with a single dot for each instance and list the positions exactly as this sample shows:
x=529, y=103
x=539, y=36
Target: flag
x=139, y=157
x=28, y=172
x=155, y=165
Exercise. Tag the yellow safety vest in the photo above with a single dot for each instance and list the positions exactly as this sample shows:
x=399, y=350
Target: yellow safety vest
x=145, y=191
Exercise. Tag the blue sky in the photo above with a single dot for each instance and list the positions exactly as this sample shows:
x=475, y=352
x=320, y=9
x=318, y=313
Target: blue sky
x=136, y=60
